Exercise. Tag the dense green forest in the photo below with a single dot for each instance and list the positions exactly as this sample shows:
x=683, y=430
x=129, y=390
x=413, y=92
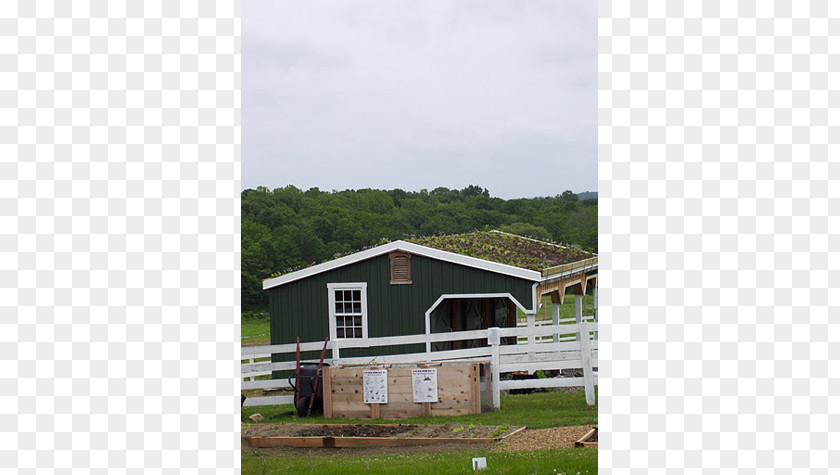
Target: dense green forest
x=288, y=228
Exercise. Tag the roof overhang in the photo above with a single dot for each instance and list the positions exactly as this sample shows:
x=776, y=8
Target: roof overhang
x=580, y=267
x=527, y=274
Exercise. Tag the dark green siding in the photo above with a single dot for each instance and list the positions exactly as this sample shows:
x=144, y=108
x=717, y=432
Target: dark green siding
x=299, y=308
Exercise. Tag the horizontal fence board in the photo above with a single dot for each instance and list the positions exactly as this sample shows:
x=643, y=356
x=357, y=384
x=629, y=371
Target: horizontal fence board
x=536, y=348
x=266, y=384
x=420, y=338
x=533, y=357
x=542, y=383
x=543, y=365
x=562, y=321
x=247, y=351
x=415, y=357
x=269, y=400
x=266, y=367
x=255, y=374
x=547, y=330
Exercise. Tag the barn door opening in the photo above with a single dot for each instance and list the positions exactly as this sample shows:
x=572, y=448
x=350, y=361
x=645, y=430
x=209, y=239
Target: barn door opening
x=463, y=314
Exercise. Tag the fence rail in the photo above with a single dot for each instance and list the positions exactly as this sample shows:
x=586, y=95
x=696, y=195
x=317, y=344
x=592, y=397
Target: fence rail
x=543, y=323
x=539, y=347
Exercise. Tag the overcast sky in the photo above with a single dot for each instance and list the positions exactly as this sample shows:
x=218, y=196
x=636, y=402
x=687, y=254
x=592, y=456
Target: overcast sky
x=419, y=94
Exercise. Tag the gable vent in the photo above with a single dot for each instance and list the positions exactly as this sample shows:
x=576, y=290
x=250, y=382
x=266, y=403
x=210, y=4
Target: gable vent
x=400, y=268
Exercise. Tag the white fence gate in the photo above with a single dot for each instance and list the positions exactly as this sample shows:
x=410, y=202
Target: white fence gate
x=545, y=347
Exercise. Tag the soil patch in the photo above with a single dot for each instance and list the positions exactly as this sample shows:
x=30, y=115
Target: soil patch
x=358, y=430
x=448, y=431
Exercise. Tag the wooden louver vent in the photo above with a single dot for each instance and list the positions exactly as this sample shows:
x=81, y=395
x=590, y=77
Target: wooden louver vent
x=400, y=268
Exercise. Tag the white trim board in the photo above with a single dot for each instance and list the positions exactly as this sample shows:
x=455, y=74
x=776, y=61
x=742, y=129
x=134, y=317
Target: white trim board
x=412, y=248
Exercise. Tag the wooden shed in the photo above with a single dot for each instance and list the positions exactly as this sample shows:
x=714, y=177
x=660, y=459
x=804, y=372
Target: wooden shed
x=423, y=286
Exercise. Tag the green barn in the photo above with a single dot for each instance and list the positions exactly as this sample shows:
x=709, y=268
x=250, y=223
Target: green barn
x=423, y=286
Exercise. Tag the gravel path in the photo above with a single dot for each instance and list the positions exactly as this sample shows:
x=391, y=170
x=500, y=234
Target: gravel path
x=535, y=439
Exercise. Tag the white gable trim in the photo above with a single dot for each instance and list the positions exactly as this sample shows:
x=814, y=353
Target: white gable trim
x=407, y=247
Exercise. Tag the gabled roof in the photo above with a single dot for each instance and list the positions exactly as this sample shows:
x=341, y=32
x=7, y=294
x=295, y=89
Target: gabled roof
x=532, y=260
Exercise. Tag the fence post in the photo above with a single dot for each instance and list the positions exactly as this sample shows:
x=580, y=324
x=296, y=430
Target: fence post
x=586, y=362
x=595, y=306
x=494, y=340
x=531, y=325
x=251, y=361
x=555, y=319
x=335, y=351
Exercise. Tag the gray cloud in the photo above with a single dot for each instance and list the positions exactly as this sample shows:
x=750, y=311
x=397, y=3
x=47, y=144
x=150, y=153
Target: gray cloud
x=420, y=94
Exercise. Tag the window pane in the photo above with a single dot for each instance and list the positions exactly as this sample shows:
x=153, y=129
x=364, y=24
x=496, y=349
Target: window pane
x=339, y=332
x=357, y=322
x=339, y=307
x=358, y=333
x=357, y=295
x=357, y=307
x=339, y=296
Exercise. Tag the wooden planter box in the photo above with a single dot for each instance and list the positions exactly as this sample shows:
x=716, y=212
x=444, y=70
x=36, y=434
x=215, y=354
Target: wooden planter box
x=582, y=442
x=459, y=391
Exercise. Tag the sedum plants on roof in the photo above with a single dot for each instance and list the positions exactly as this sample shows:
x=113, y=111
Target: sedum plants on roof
x=505, y=249
x=494, y=246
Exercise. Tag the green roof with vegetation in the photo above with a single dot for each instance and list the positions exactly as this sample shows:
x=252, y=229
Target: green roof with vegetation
x=505, y=248
x=495, y=246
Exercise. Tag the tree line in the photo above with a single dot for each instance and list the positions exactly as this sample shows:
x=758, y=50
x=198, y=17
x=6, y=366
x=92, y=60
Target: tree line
x=288, y=228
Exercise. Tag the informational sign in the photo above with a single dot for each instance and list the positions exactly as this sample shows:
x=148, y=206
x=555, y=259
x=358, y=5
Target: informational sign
x=375, y=382
x=425, y=385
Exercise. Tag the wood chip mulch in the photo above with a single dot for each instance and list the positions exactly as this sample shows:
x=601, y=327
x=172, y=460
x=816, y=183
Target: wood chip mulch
x=536, y=439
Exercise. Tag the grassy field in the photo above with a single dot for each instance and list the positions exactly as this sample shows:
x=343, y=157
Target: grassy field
x=566, y=461
x=538, y=410
x=255, y=330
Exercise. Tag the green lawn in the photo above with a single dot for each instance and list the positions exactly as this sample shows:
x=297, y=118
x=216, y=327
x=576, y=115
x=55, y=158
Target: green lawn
x=255, y=331
x=567, y=461
x=538, y=410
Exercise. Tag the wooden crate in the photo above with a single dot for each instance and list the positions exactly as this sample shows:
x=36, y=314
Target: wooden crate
x=459, y=391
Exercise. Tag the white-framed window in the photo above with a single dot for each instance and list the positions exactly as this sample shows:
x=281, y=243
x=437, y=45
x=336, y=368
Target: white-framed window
x=348, y=310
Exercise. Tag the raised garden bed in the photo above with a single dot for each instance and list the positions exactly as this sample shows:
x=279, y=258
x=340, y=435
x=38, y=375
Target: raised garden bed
x=371, y=435
x=590, y=439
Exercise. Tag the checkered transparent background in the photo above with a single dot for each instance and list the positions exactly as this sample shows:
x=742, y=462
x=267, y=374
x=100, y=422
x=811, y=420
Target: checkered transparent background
x=119, y=255
x=719, y=245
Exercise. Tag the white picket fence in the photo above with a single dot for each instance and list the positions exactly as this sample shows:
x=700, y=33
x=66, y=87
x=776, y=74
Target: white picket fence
x=541, y=348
